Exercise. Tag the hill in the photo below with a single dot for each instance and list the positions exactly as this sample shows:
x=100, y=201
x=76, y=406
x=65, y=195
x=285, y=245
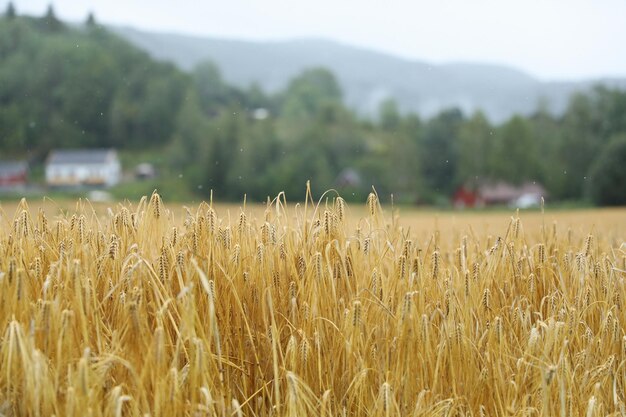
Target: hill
x=70, y=86
x=368, y=77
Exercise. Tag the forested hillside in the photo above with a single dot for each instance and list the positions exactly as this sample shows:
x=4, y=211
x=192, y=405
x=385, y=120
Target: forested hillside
x=368, y=77
x=81, y=86
x=62, y=86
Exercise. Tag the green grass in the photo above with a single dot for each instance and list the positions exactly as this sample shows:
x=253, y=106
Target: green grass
x=131, y=158
x=172, y=189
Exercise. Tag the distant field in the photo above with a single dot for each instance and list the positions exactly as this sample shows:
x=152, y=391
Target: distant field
x=337, y=310
x=418, y=221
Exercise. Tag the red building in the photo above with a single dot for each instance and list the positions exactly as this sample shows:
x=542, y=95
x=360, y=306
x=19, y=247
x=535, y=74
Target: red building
x=499, y=193
x=466, y=197
x=13, y=174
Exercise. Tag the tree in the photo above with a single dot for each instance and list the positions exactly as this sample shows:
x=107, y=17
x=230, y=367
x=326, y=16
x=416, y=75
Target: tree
x=607, y=176
x=10, y=13
x=91, y=20
x=516, y=154
x=256, y=98
x=389, y=115
x=589, y=122
x=212, y=90
x=580, y=141
x=391, y=160
x=439, y=153
x=475, y=145
x=224, y=136
x=252, y=170
x=547, y=132
x=190, y=145
x=309, y=94
x=50, y=20
x=610, y=110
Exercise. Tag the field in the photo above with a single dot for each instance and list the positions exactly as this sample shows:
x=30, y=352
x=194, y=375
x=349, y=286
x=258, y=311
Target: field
x=310, y=309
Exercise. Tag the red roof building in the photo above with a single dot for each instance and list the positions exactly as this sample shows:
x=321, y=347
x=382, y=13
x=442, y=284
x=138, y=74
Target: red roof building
x=13, y=174
x=466, y=197
x=499, y=193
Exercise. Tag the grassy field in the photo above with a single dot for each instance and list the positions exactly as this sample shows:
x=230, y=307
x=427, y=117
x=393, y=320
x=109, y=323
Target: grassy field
x=294, y=310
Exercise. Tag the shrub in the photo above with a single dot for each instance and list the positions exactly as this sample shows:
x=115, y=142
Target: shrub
x=607, y=175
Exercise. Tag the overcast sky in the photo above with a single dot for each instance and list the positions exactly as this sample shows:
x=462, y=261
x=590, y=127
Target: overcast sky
x=551, y=39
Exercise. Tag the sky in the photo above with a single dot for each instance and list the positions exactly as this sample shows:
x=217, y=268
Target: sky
x=550, y=39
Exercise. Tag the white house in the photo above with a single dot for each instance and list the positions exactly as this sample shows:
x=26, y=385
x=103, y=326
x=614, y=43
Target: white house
x=83, y=167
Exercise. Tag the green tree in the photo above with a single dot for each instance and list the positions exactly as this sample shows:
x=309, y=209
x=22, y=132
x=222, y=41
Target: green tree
x=189, y=149
x=607, y=175
x=580, y=142
x=224, y=137
x=391, y=162
x=476, y=144
x=302, y=162
x=547, y=132
x=81, y=88
x=310, y=93
x=389, y=115
x=252, y=171
x=516, y=153
x=91, y=20
x=609, y=110
x=212, y=91
x=10, y=12
x=50, y=20
x=440, y=152
x=256, y=98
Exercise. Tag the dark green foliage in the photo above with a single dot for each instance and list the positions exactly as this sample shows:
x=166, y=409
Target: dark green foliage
x=64, y=86
x=607, y=176
x=476, y=144
x=440, y=154
x=390, y=117
x=91, y=20
x=10, y=12
x=589, y=122
x=50, y=22
x=212, y=91
x=312, y=95
x=516, y=157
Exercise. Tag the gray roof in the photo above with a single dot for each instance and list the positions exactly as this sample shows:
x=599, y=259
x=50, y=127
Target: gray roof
x=502, y=191
x=81, y=156
x=12, y=167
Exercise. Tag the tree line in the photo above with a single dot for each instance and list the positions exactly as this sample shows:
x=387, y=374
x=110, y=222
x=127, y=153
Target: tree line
x=81, y=86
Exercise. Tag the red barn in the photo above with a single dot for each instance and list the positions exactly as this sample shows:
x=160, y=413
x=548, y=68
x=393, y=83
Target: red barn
x=13, y=174
x=466, y=197
x=499, y=193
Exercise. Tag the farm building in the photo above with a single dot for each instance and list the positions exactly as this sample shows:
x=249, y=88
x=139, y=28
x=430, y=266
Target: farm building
x=145, y=171
x=466, y=197
x=83, y=167
x=499, y=193
x=13, y=174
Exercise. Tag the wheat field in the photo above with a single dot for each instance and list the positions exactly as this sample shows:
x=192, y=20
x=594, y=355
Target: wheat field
x=315, y=309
